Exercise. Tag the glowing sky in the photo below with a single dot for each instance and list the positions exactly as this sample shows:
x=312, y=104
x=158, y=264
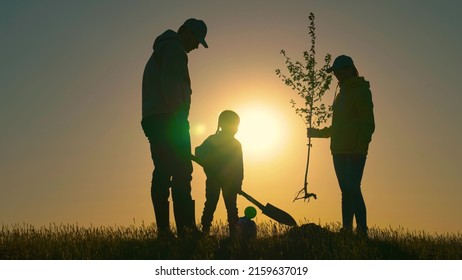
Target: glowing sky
x=71, y=145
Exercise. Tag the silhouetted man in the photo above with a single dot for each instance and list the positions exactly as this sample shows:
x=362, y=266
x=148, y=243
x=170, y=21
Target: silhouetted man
x=166, y=102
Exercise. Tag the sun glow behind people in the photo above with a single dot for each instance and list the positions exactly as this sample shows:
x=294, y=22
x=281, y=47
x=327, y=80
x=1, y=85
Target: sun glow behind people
x=261, y=131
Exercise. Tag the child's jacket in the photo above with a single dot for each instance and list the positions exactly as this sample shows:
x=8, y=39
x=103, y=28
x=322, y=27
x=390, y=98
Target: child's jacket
x=222, y=158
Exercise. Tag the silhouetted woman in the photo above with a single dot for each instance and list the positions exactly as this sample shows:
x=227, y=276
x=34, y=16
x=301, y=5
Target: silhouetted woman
x=351, y=132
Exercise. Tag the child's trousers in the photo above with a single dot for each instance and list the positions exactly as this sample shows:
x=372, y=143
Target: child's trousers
x=212, y=195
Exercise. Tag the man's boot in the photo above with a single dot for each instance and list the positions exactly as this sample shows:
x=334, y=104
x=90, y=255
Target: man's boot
x=161, y=211
x=195, y=233
x=185, y=218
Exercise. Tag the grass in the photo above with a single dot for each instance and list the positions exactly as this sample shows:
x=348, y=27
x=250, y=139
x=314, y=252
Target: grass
x=309, y=241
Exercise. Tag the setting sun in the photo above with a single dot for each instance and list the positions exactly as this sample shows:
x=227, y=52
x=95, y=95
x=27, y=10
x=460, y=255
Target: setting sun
x=261, y=131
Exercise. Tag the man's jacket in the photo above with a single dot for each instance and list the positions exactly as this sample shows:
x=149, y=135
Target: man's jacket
x=166, y=83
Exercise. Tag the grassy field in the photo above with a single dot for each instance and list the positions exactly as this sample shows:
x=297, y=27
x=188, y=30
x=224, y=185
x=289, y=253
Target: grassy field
x=308, y=241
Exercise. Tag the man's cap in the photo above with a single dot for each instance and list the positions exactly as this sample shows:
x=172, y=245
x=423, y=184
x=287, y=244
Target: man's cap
x=199, y=28
x=250, y=212
x=341, y=61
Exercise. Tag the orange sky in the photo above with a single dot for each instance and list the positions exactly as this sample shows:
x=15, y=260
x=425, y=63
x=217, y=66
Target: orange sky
x=72, y=149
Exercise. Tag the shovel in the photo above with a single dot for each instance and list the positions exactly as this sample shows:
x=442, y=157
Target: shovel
x=269, y=210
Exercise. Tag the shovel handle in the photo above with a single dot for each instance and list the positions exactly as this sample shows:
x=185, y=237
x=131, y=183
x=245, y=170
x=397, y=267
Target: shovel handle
x=197, y=160
x=253, y=200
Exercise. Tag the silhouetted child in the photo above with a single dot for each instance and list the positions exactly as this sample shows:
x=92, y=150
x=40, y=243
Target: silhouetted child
x=221, y=156
x=247, y=229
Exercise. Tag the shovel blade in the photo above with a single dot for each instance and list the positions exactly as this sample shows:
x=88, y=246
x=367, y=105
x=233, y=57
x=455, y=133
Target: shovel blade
x=278, y=215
